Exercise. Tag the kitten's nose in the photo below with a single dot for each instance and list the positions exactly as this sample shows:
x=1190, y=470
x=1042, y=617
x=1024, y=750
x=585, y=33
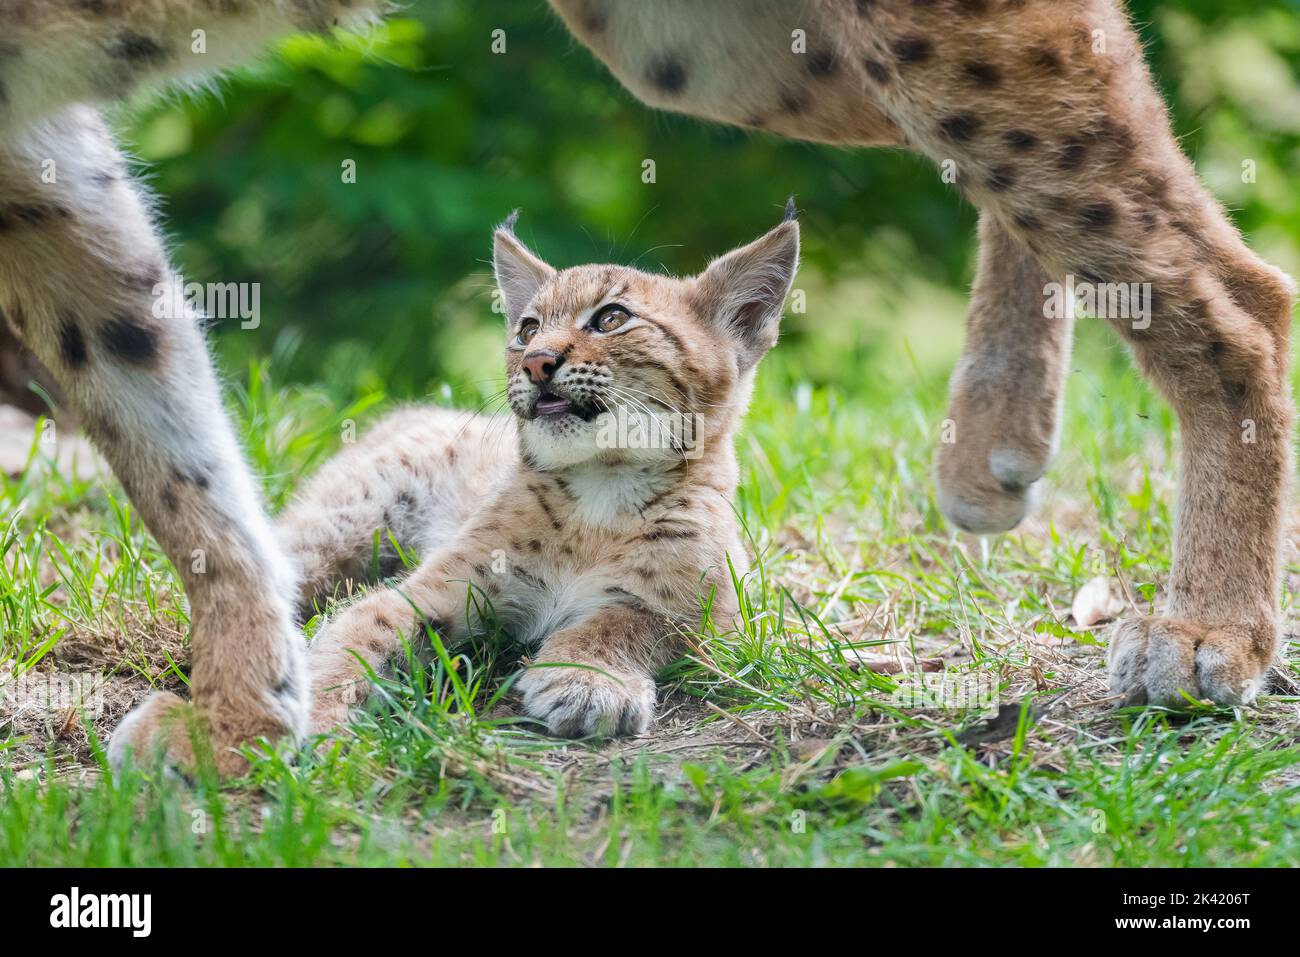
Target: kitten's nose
x=541, y=365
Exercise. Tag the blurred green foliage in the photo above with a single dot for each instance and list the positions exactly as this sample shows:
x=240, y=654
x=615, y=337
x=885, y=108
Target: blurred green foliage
x=384, y=285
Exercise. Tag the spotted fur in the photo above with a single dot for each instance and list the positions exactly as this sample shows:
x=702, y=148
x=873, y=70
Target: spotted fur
x=1047, y=112
x=1064, y=146
x=594, y=549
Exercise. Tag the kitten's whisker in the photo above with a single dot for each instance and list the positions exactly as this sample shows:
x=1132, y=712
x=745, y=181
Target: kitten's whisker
x=651, y=415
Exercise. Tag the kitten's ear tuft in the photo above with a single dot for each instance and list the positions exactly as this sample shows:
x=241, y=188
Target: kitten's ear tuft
x=791, y=211
x=519, y=273
x=743, y=292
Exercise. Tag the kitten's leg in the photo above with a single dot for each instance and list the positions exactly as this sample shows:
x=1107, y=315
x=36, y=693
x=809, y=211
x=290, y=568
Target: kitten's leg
x=53, y=54
x=592, y=679
x=1101, y=190
x=597, y=678
x=416, y=474
x=79, y=261
x=368, y=634
x=1004, y=403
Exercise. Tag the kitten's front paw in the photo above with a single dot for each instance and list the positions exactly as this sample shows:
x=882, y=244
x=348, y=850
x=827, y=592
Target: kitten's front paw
x=1157, y=660
x=578, y=702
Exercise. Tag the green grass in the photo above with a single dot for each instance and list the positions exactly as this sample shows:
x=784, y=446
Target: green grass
x=775, y=746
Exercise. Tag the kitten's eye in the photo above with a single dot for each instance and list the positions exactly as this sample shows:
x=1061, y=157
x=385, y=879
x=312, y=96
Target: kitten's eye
x=609, y=318
x=527, y=329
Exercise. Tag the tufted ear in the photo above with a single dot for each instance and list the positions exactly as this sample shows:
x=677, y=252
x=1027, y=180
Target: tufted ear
x=519, y=273
x=743, y=292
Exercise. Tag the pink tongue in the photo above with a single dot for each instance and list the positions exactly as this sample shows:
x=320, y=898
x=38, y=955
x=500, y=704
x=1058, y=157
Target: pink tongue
x=552, y=405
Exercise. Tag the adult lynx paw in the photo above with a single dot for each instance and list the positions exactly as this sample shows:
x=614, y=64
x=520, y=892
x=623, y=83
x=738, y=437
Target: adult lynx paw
x=167, y=728
x=157, y=728
x=577, y=702
x=1155, y=660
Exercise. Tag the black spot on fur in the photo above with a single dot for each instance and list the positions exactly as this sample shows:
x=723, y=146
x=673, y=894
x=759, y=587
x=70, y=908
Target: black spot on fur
x=1028, y=222
x=877, y=71
x=864, y=8
x=1097, y=215
x=142, y=281
x=670, y=531
x=1002, y=178
x=594, y=17
x=285, y=686
x=72, y=344
x=794, y=101
x=960, y=128
x=1072, y=154
x=823, y=63
x=1047, y=58
x=134, y=47
x=129, y=340
x=18, y=215
x=982, y=74
x=912, y=49
x=103, y=431
x=1011, y=485
x=1118, y=136
x=197, y=477
x=667, y=73
x=1020, y=141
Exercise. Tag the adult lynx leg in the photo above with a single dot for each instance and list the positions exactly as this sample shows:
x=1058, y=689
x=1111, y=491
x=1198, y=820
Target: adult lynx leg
x=79, y=261
x=1058, y=133
x=1004, y=402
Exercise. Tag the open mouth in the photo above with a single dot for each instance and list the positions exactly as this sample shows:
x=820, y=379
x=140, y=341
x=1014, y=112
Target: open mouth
x=552, y=406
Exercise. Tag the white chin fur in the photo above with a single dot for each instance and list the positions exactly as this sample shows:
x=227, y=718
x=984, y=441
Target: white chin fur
x=558, y=443
x=553, y=444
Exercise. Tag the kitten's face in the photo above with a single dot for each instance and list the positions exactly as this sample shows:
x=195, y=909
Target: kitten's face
x=612, y=364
